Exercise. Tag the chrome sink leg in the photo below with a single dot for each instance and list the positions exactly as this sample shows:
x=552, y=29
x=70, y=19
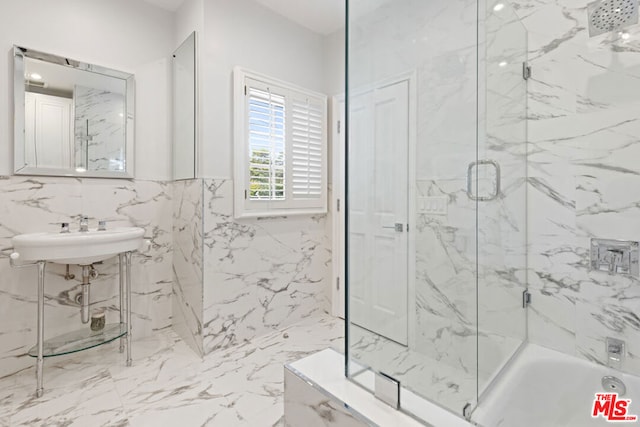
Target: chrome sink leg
x=121, y=280
x=40, y=361
x=128, y=278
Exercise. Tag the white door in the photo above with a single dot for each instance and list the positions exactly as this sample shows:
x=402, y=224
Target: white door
x=48, y=131
x=378, y=210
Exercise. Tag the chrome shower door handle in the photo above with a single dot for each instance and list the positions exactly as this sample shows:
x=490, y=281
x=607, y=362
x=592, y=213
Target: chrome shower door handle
x=470, y=168
x=398, y=226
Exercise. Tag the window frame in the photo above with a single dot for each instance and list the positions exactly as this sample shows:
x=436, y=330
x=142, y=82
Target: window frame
x=244, y=207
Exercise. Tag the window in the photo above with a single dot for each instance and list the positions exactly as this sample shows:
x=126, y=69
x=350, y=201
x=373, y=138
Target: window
x=280, y=148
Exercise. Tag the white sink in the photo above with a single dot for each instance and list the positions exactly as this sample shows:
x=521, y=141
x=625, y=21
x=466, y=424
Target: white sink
x=77, y=247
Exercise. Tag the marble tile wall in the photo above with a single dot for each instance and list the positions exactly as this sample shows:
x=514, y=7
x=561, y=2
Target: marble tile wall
x=99, y=113
x=259, y=274
x=31, y=204
x=239, y=279
x=187, y=303
x=307, y=405
x=584, y=146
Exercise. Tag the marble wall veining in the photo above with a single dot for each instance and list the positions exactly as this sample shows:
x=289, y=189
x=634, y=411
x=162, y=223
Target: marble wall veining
x=187, y=303
x=99, y=115
x=309, y=405
x=584, y=146
x=32, y=204
x=240, y=279
x=259, y=274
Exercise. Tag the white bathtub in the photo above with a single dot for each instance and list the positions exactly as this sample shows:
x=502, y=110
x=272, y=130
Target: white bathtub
x=545, y=388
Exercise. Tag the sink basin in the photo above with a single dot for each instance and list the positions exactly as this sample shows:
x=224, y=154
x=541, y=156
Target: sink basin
x=76, y=247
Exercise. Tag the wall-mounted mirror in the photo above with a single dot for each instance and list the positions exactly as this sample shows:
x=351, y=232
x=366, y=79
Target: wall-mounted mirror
x=71, y=118
x=184, y=110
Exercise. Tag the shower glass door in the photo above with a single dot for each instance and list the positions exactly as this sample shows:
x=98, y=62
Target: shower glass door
x=502, y=233
x=436, y=201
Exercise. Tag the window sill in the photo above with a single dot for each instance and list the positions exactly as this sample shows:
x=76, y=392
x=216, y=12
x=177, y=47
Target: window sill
x=279, y=214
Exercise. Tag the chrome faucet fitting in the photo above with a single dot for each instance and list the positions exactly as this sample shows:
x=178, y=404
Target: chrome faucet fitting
x=84, y=223
x=64, y=227
x=615, y=260
x=615, y=352
x=102, y=225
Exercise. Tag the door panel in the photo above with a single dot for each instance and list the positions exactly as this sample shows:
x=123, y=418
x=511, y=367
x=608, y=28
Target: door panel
x=48, y=130
x=379, y=141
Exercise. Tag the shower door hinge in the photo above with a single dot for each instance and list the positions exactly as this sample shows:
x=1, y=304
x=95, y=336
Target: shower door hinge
x=526, y=298
x=466, y=411
x=526, y=71
x=338, y=206
x=339, y=126
x=387, y=389
x=338, y=283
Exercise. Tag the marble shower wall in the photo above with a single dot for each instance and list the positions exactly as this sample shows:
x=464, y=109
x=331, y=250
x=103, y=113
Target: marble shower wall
x=31, y=204
x=584, y=178
x=99, y=113
x=259, y=274
x=187, y=303
x=438, y=40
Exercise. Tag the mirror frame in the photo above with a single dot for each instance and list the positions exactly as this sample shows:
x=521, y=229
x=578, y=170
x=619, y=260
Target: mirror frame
x=19, y=165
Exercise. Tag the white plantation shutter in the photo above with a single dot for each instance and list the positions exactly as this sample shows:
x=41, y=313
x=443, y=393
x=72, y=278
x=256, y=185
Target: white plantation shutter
x=307, y=147
x=280, y=148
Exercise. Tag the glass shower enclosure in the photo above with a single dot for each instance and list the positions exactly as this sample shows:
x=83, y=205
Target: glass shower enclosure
x=436, y=199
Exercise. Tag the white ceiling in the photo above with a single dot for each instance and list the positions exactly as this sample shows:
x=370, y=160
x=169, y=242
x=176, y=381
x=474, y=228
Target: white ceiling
x=171, y=5
x=65, y=78
x=321, y=16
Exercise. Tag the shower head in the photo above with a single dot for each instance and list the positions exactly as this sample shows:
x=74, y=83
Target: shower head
x=611, y=15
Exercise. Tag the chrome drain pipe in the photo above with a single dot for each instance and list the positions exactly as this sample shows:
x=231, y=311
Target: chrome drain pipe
x=84, y=303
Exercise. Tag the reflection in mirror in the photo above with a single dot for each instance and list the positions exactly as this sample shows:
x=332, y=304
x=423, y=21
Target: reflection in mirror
x=71, y=118
x=184, y=110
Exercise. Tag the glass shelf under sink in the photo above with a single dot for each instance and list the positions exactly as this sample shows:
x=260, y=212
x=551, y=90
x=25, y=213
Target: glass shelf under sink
x=79, y=340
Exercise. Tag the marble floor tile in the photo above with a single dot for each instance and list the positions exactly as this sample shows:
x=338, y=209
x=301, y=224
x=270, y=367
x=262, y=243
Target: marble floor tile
x=168, y=385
